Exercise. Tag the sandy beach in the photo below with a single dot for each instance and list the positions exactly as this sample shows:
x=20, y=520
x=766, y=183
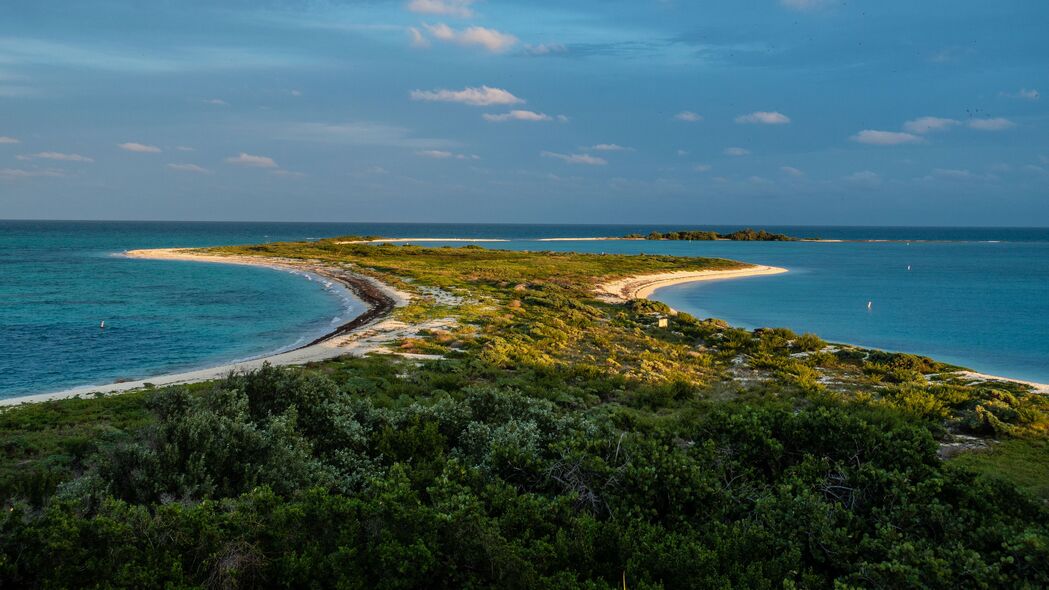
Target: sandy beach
x=371, y=331
x=980, y=377
x=642, y=286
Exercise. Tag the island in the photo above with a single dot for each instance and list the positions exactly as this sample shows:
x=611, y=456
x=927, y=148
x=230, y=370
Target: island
x=743, y=235
x=531, y=420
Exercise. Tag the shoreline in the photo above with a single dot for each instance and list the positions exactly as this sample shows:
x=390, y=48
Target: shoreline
x=643, y=239
x=390, y=240
x=372, y=330
x=644, y=286
x=368, y=332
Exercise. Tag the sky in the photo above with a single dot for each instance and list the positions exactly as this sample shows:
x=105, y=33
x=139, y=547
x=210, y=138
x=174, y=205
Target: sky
x=592, y=111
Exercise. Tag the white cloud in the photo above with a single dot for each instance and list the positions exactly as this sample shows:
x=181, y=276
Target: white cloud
x=518, y=115
x=295, y=92
x=958, y=175
x=479, y=97
x=139, y=148
x=791, y=171
x=189, y=168
x=417, y=37
x=995, y=124
x=217, y=102
x=438, y=154
x=701, y=167
x=682, y=152
x=56, y=156
x=358, y=133
x=953, y=173
x=4, y=139
x=873, y=137
x=490, y=39
x=459, y=8
x=1024, y=94
x=736, y=151
x=252, y=161
x=923, y=125
x=586, y=159
x=444, y=155
x=12, y=173
x=865, y=177
x=546, y=49
x=183, y=148
x=804, y=5
x=287, y=173
x=764, y=118
x=562, y=118
x=610, y=147
x=949, y=55
x=688, y=117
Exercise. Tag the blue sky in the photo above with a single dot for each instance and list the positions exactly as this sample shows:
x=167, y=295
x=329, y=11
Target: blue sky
x=659, y=111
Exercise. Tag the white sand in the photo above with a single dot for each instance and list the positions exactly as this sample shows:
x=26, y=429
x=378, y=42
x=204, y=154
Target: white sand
x=642, y=286
x=974, y=376
x=376, y=336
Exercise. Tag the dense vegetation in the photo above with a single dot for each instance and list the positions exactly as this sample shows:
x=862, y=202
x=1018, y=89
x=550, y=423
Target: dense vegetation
x=557, y=442
x=743, y=235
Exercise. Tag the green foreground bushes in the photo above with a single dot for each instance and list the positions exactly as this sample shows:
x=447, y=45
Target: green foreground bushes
x=284, y=478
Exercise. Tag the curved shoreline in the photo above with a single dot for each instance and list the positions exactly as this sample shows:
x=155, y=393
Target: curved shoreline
x=349, y=338
x=644, y=286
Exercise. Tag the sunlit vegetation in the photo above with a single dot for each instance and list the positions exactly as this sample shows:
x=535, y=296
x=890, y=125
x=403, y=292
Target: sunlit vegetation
x=559, y=441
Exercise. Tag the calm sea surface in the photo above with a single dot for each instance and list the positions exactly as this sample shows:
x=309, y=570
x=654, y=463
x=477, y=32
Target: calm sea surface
x=978, y=297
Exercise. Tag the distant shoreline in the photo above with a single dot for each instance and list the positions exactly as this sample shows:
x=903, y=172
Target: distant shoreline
x=642, y=239
x=380, y=300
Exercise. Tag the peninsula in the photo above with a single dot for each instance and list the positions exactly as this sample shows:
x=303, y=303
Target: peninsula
x=529, y=419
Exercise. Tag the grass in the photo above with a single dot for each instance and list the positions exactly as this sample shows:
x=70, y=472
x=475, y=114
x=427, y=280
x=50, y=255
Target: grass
x=1022, y=462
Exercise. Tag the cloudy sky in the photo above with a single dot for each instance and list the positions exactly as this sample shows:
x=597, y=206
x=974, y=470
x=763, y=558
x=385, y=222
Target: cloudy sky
x=603, y=111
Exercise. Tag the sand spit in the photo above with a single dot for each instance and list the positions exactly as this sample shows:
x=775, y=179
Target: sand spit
x=642, y=286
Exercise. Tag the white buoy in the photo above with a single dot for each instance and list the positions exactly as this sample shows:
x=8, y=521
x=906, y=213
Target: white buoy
x=869, y=304
x=102, y=326
x=908, y=267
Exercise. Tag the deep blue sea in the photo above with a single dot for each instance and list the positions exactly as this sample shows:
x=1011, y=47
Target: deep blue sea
x=978, y=297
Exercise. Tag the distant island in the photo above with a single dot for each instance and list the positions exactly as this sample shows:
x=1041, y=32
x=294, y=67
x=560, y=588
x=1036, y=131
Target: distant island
x=743, y=235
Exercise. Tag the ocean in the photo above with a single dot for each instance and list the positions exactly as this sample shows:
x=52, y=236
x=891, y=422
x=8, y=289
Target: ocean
x=977, y=297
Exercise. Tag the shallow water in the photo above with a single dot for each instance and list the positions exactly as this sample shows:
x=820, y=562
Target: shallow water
x=59, y=281
x=980, y=300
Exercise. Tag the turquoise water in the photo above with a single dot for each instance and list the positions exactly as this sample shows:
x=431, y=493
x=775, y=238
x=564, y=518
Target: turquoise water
x=59, y=281
x=977, y=297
